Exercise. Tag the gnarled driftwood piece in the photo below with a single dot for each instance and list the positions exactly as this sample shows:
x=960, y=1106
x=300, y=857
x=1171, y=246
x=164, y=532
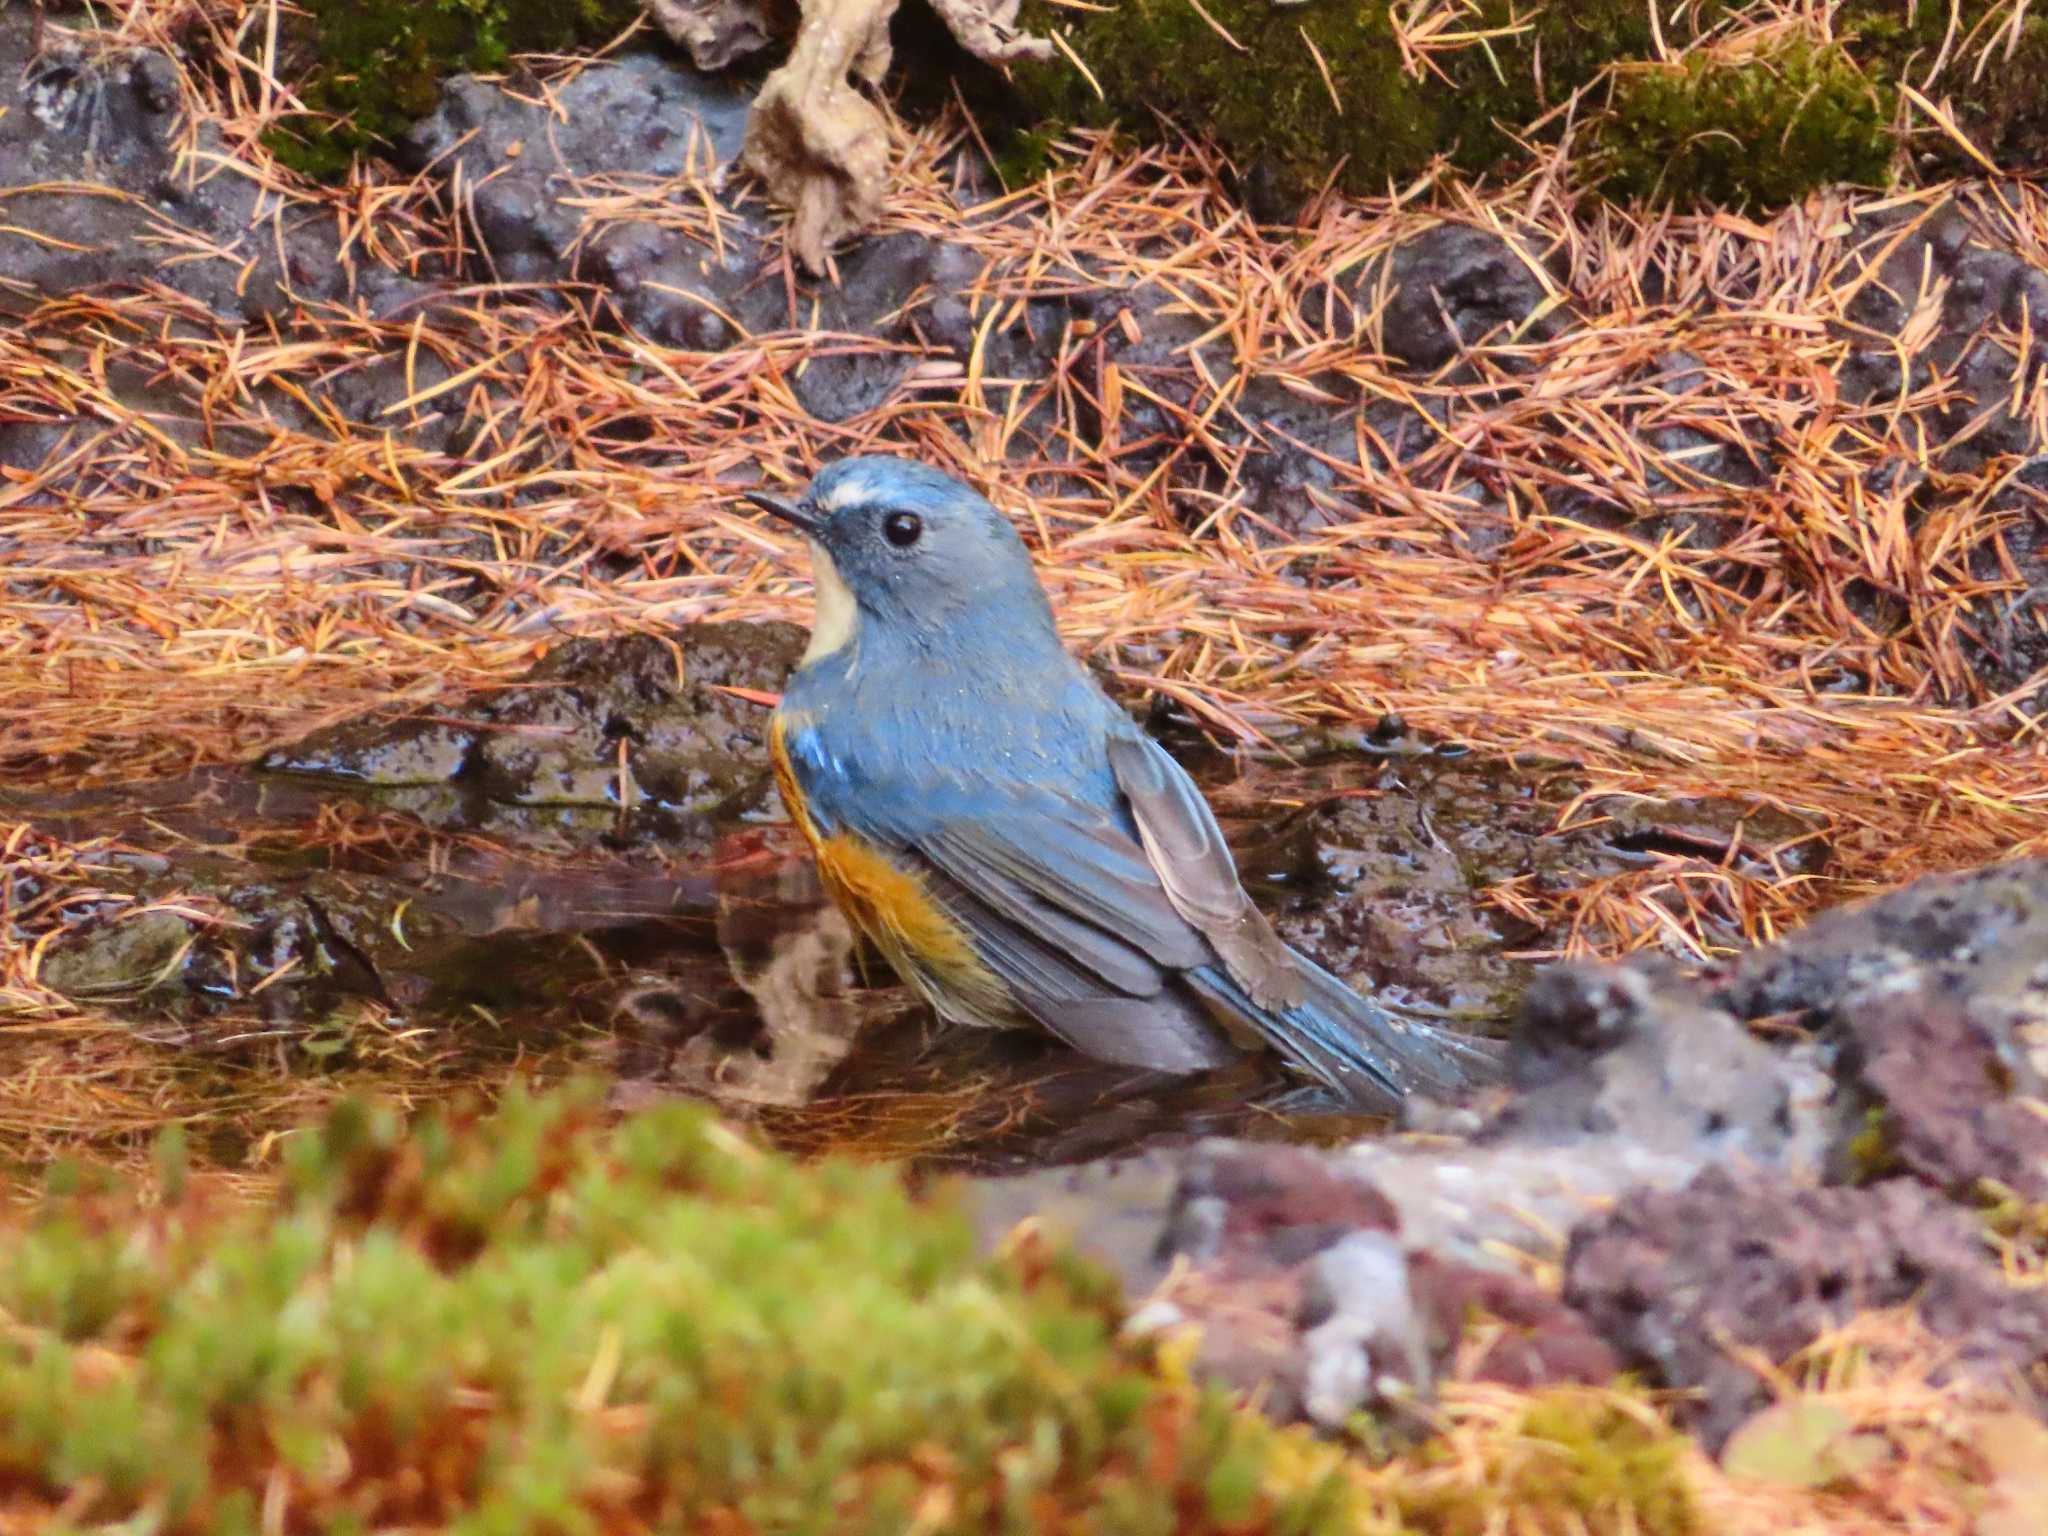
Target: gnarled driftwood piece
x=817, y=141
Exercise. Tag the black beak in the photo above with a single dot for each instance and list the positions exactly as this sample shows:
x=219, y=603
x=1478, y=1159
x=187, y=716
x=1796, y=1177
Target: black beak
x=788, y=511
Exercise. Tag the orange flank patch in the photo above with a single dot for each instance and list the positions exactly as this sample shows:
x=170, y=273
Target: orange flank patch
x=921, y=941
x=891, y=905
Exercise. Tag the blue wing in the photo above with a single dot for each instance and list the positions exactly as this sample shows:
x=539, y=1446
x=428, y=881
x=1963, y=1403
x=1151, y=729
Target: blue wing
x=1123, y=928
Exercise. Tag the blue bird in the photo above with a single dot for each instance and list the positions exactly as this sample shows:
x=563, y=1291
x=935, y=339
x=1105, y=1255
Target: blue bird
x=1017, y=848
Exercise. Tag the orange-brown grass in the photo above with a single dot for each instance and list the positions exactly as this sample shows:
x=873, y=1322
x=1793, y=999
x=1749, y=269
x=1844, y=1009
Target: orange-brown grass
x=171, y=603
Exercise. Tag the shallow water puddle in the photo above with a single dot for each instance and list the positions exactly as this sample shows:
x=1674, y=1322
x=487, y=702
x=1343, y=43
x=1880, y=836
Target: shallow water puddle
x=256, y=943
x=266, y=939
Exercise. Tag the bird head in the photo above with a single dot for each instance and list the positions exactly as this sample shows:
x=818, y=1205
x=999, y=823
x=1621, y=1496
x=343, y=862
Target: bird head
x=903, y=549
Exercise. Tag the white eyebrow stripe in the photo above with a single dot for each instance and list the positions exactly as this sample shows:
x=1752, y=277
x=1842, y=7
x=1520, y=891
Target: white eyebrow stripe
x=852, y=489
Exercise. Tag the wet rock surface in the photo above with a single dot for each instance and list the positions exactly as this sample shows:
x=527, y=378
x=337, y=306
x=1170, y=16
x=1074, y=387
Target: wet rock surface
x=1934, y=266
x=571, y=853
x=1383, y=874
x=636, y=118
x=1440, y=293
x=99, y=188
x=1680, y=1281
x=701, y=285
x=600, y=730
x=1703, y=1181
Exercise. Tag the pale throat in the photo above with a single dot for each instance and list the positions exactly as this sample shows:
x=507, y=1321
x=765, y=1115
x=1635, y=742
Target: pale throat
x=837, y=616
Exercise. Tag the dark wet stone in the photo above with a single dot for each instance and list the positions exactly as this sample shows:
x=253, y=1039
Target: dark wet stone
x=1984, y=295
x=86, y=454
x=124, y=958
x=392, y=296
x=370, y=392
x=605, y=725
x=2008, y=636
x=1302, y=458
x=1697, y=453
x=1383, y=883
x=1961, y=362
x=411, y=752
x=1697, y=450
x=878, y=281
x=690, y=744
x=655, y=115
x=28, y=447
x=1446, y=289
x=1103, y=323
x=948, y=323
x=112, y=120
x=641, y=113
x=1678, y=1280
x=1906, y=251
x=668, y=286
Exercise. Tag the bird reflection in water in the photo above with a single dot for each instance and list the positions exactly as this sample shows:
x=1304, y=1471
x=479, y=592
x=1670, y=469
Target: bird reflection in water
x=788, y=1018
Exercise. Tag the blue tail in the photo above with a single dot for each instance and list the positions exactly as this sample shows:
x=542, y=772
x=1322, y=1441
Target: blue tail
x=1352, y=1044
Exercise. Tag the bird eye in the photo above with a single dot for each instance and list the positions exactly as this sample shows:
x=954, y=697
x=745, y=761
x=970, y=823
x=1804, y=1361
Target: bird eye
x=902, y=529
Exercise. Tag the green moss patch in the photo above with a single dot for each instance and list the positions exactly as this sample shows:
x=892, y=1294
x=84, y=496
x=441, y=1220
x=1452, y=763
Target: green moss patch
x=528, y=1322
x=1760, y=131
x=1570, y=1461
x=367, y=69
x=1356, y=90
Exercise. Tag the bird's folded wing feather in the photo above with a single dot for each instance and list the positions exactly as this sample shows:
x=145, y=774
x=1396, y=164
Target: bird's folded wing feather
x=1062, y=874
x=1064, y=906
x=1187, y=853
x=1087, y=919
x=1059, y=867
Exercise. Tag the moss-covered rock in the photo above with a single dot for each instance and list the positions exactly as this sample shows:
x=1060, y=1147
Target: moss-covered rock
x=1707, y=106
x=368, y=68
x=1751, y=131
x=530, y=1323
x=126, y=958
